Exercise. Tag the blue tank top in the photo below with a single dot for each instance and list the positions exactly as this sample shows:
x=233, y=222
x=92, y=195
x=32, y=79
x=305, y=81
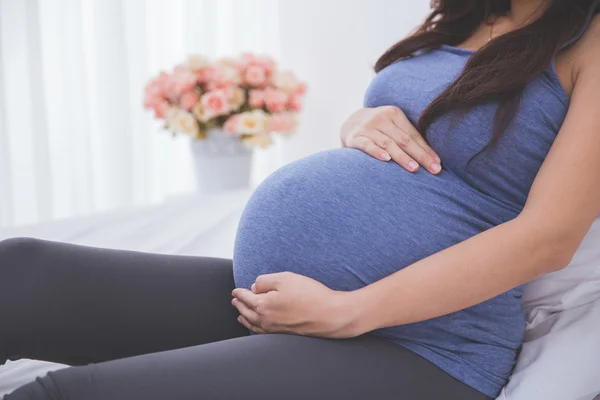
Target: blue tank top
x=348, y=220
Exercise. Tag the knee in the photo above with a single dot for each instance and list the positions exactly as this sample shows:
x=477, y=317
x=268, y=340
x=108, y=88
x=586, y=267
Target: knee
x=74, y=383
x=18, y=248
x=40, y=389
x=20, y=256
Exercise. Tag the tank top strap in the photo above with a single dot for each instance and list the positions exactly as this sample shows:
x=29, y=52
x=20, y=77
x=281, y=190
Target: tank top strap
x=594, y=9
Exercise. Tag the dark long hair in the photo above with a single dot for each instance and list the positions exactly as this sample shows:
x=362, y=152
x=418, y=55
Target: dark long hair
x=501, y=69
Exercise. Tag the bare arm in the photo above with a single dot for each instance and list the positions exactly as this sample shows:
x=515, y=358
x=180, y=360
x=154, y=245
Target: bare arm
x=562, y=205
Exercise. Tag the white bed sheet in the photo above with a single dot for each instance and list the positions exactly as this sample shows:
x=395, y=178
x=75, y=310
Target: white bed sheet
x=191, y=225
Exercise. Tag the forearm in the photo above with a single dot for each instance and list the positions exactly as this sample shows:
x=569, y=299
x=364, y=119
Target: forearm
x=459, y=277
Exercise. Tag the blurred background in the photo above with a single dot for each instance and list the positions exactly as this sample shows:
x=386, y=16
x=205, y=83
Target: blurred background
x=74, y=136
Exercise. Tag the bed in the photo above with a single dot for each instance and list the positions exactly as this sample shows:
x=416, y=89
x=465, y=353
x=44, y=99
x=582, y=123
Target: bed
x=559, y=359
x=188, y=225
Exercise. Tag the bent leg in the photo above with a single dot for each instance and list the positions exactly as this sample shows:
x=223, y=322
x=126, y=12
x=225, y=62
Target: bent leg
x=76, y=305
x=268, y=367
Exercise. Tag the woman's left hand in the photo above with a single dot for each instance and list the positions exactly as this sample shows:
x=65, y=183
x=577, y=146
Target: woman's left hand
x=290, y=303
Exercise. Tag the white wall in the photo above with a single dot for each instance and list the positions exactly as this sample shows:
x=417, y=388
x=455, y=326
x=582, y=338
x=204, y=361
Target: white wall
x=333, y=44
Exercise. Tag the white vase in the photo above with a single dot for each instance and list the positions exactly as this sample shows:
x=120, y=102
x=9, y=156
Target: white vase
x=221, y=162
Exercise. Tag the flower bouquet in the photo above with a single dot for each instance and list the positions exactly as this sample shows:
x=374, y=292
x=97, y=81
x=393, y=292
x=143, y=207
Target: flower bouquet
x=247, y=98
x=228, y=107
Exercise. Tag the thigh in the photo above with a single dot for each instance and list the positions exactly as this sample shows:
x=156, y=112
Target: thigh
x=75, y=305
x=267, y=367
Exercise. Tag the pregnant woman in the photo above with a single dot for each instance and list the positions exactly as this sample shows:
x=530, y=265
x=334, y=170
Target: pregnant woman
x=389, y=269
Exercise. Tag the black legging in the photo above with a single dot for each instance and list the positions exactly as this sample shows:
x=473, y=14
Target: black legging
x=162, y=327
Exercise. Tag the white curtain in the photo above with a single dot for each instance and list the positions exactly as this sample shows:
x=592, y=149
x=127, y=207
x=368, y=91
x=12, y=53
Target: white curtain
x=73, y=135
x=74, y=138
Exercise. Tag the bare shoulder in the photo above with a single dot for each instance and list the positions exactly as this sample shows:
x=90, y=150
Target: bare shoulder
x=591, y=37
x=579, y=56
x=586, y=51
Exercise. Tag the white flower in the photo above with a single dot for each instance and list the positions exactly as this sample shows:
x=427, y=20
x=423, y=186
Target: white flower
x=252, y=122
x=263, y=141
x=180, y=121
x=286, y=81
x=196, y=62
x=171, y=113
x=237, y=98
x=228, y=62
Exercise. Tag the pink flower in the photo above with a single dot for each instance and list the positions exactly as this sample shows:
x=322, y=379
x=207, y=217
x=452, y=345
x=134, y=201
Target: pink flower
x=205, y=74
x=180, y=69
x=301, y=89
x=189, y=100
x=151, y=97
x=224, y=76
x=154, y=98
x=262, y=61
x=284, y=123
x=247, y=60
x=160, y=109
x=214, y=104
x=295, y=102
x=231, y=125
x=159, y=83
x=179, y=83
x=257, y=99
x=162, y=78
x=275, y=100
x=186, y=81
x=255, y=76
x=155, y=90
x=267, y=63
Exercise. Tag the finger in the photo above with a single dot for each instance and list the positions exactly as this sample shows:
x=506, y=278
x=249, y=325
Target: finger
x=266, y=283
x=249, y=326
x=368, y=146
x=423, y=143
x=399, y=155
x=247, y=297
x=270, y=282
x=246, y=312
x=407, y=144
x=402, y=123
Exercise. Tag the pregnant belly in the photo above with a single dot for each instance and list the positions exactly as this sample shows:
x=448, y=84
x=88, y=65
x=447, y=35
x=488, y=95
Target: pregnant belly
x=347, y=220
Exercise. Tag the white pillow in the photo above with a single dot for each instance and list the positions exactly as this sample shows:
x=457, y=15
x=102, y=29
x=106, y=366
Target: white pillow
x=560, y=358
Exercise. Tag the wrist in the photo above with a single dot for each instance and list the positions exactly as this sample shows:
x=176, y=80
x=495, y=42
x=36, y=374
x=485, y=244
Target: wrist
x=356, y=314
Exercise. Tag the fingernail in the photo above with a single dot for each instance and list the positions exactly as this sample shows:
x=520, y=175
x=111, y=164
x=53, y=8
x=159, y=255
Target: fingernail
x=233, y=301
x=253, y=287
x=436, y=168
x=239, y=319
x=438, y=159
x=413, y=166
x=385, y=157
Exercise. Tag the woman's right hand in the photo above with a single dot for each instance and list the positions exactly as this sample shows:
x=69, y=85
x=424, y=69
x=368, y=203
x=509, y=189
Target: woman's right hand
x=386, y=134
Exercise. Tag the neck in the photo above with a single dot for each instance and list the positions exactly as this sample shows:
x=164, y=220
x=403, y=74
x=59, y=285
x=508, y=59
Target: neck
x=525, y=11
